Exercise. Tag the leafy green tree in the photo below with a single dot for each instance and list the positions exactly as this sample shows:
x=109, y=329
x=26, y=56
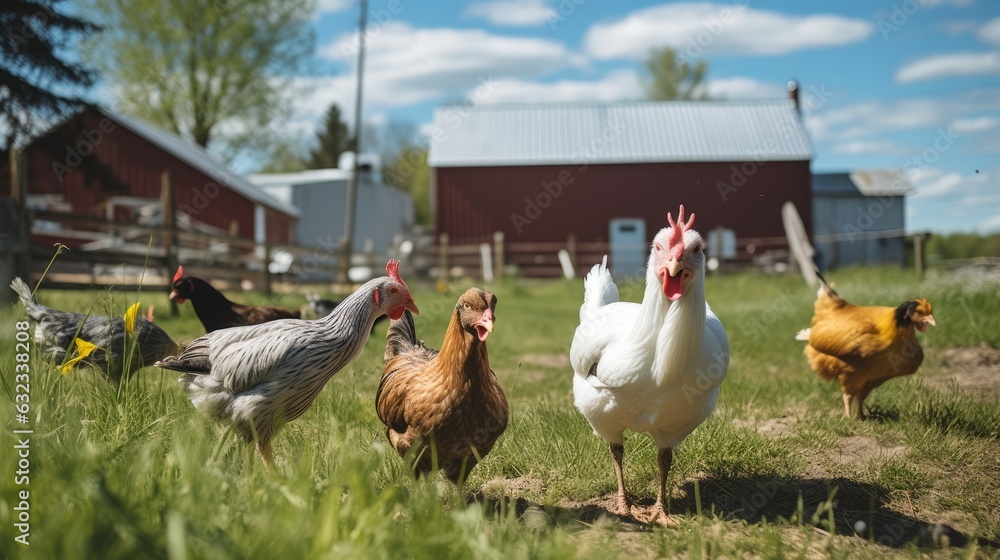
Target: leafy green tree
x=410, y=173
x=33, y=66
x=671, y=78
x=332, y=140
x=285, y=159
x=193, y=65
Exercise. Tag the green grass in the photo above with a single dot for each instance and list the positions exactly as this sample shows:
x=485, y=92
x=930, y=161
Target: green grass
x=135, y=472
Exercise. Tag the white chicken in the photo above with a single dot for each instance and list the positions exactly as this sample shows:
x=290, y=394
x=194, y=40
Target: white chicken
x=652, y=367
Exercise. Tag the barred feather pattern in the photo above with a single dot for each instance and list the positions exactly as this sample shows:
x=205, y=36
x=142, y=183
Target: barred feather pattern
x=261, y=376
x=55, y=331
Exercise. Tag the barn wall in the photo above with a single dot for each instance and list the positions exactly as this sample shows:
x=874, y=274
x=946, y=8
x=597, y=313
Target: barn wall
x=138, y=166
x=471, y=202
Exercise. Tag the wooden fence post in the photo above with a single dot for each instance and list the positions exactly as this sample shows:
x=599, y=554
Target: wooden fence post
x=498, y=251
x=571, y=248
x=169, y=231
x=918, y=252
x=267, y=268
x=443, y=258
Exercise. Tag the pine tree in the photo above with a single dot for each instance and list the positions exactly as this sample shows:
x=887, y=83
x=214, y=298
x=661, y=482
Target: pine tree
x=35, y=74
x=332, y=140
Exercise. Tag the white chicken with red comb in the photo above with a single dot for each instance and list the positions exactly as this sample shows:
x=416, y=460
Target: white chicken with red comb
x=653, y=367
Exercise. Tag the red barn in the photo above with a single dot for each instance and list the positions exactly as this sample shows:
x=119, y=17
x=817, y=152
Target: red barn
x=540, y=172
x=133, y=155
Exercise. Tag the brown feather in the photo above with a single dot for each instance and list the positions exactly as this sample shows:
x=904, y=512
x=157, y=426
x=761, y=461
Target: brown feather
x=451, y=397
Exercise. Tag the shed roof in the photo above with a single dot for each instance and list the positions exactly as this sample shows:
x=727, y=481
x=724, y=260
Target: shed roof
x=871, y=182
x=199, y=159
x=620, y=132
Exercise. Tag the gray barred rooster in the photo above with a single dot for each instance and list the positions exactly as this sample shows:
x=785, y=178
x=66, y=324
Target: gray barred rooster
x=261, y=376
x=116, y=354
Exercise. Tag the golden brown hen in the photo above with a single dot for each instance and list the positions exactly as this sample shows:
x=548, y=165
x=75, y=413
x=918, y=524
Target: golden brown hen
x=864, y=346
x=447, y=406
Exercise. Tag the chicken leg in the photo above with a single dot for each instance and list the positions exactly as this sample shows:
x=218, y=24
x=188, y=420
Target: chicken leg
x=622, y=507
x=265, y=455
x=848, y=399
x=658, y=514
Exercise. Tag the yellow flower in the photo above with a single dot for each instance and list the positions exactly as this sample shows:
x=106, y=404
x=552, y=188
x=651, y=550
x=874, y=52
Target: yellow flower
x=83, y=349
x=130, y=317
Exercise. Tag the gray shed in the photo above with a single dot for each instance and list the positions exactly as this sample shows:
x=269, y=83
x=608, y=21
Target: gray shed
x=320, y=196
x=859, y=217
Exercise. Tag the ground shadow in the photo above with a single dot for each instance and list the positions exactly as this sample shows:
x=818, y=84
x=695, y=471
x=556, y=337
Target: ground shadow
x=858, y=509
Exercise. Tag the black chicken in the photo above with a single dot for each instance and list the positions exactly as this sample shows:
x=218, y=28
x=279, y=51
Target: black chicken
x=55, y=330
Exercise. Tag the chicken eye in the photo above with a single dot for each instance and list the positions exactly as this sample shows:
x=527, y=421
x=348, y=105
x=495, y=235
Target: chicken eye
x=393, y=291
x=467, y=306
x=697, y=250
x=657, y=247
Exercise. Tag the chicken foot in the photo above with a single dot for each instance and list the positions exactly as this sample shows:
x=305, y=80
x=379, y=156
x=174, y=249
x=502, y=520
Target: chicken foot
x=665, y=459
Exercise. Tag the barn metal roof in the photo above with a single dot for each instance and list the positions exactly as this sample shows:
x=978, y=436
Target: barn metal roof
x=622, y=132
x=198, y=158
x=871, y=182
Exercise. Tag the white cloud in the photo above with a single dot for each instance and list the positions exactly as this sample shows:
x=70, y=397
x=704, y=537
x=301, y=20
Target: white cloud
x=959, y=26
x=990, y=31
x=511, y=12
x=868, y=147
x=405, y=65
x=616, y=86
x=974, y=124
x=741, y=87
x=950, y=66
x=938, y=184
x=332, y=6
x=697, y=29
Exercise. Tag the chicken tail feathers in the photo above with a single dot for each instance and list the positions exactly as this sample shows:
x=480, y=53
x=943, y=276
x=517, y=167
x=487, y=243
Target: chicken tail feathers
x=803, y=334
x=599, y=288
x=401, y=336
x=826, y=287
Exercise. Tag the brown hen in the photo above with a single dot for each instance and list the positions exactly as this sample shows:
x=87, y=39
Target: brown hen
x=447, y=407
x=864, y=346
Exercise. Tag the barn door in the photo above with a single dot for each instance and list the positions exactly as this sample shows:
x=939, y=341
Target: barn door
x=629, y=246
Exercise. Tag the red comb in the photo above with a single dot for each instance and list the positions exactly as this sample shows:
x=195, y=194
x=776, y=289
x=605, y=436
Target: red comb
x=675, y=241
x=179, y=273
x=392, y=267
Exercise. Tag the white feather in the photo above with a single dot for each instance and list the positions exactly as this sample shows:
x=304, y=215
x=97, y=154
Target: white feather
x=659, y=364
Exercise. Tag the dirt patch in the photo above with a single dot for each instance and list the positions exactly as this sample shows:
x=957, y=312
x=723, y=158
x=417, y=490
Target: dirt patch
x=976, y=370
x=546, y=360
x=513, y=487
x=851, y=450
x=773, y=428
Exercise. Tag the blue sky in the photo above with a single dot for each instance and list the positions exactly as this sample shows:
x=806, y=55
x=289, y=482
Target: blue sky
x=911, y=85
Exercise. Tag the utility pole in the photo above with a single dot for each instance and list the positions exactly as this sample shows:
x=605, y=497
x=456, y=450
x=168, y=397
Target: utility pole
x=347, y=240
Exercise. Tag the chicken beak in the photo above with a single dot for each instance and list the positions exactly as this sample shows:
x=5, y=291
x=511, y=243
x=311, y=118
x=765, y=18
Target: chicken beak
x=673, y=266
x=412, y=306
x=930, y=320
x=484, y=326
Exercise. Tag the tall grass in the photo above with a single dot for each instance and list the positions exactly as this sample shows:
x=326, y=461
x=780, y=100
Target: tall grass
x=135, y=472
